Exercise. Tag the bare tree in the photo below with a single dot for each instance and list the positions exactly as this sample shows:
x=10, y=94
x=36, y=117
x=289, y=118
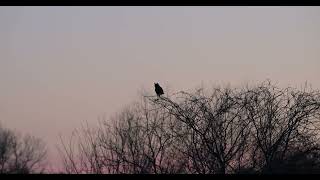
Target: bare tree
x=137, y=140
x=21, y=155
x=281, y=120
x=261, y=129
x=215, y=131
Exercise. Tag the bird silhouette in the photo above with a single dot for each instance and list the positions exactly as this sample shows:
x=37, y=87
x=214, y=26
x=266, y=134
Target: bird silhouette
x=158, y=89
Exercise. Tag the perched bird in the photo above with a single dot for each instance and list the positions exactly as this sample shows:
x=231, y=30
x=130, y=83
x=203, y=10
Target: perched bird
x=158, y=89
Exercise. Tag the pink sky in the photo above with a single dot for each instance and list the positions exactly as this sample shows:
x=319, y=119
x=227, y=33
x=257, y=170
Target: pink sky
x=61, y=66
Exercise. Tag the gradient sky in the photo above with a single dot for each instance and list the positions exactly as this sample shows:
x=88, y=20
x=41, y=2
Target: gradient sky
x=61, y=66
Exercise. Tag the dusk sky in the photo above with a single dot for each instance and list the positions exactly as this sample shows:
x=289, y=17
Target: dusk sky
x=62, y=66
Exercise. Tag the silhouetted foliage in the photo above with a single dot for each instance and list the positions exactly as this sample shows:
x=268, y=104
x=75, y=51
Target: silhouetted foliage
x=260, y=129
x=20, y=155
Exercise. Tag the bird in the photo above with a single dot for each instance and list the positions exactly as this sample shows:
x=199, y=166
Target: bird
x=158, y=89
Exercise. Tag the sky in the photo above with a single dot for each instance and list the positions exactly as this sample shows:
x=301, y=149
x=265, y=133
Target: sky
x=62, y=66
